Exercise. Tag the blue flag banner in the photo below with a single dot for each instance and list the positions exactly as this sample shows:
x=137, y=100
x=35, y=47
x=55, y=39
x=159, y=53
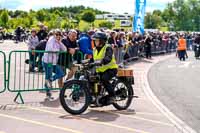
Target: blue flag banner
x=138, y=22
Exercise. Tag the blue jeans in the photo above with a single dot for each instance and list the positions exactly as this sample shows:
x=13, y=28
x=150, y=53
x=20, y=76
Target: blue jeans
x=182, y=54
x=49, y=69
x=32, y=60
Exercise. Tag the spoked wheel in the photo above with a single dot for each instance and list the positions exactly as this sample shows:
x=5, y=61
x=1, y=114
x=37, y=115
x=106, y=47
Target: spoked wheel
x=74, y=97
x=124, y=95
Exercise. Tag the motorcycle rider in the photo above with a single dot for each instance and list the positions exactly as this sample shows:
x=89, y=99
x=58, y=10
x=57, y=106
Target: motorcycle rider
x=104, y=58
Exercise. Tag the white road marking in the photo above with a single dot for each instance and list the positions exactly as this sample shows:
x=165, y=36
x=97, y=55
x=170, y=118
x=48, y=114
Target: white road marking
x=184, y=65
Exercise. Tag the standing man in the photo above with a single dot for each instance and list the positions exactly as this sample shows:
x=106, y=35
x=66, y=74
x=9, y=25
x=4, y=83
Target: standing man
x=42, y=33
x=85, y=43
x=147, y=45
x=18, y=33
x=66, y=60
x=182, y=46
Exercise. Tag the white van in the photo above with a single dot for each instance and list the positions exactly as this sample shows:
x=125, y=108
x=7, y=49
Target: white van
x=125, y=23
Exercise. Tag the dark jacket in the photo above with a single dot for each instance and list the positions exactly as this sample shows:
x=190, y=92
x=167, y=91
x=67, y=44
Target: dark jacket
x=42, y=35
x=41, y=45
x=18, y=31
x=117, y=43
x=69, y=44
x=197, y=40
x=66, y=59
x=148, y=43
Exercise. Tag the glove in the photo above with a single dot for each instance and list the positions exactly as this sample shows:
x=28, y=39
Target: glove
x=91, y=65
x=98, y=63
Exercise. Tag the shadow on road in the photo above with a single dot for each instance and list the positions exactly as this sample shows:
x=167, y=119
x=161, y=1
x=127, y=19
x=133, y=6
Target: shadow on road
x=125, y=112
x=46, y=103
x=141, y=60
x=94, y=115
x=51, y=103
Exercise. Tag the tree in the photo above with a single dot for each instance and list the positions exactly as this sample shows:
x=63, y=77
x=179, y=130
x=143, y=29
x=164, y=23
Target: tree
x=106, y=24
x=57, y=12
x=65, y=24
x=157, y=12
x=16, y=13
x=194, y=5
x=23, y=14
x=153, y=21
x=55, y=21
x=40, y=15
x=53, y=17
x=4, y=18
x=182, y=15
x=88, y=16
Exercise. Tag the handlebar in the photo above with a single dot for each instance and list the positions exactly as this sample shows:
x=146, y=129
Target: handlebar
x=85, y=65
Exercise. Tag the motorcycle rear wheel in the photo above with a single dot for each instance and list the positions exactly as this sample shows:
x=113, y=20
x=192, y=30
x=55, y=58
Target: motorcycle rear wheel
x=125, y=95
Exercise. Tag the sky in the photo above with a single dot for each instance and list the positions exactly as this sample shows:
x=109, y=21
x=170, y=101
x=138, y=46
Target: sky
x=114, y=6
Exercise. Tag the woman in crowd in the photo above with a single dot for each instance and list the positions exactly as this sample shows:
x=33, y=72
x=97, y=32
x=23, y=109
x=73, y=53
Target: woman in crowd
x=113, y=41
x=121, y=45
x=50, y=59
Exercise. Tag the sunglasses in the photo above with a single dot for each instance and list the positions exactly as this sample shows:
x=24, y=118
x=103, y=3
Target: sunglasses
x=58, y=34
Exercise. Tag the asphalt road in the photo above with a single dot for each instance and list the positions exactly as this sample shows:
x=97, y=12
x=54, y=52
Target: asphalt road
x=177, y=85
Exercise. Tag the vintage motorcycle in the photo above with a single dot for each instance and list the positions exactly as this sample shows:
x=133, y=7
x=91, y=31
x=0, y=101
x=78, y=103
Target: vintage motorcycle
x=87, y=90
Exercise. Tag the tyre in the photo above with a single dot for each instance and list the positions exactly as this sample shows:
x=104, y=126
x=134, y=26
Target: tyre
x=73, y=95
x=124, y=95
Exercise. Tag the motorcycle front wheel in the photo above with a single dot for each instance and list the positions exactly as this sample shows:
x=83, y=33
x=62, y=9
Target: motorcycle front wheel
x=74, y=97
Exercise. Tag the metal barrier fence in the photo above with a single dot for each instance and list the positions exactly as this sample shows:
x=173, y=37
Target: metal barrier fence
x=26, y=73
x=2, y=72
x=125, y=53
x=130, y=52
x=18, y=77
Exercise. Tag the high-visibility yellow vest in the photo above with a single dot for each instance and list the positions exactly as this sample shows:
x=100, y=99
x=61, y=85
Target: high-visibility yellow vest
x=100, y=55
